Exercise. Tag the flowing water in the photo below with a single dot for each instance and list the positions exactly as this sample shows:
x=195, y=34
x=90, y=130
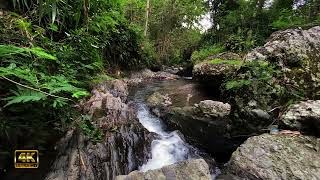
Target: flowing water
x=168, y=148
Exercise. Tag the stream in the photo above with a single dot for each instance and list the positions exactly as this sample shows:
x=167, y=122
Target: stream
x=168, y=147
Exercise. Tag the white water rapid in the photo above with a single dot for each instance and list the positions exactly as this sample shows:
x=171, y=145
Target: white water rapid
x=168, y=149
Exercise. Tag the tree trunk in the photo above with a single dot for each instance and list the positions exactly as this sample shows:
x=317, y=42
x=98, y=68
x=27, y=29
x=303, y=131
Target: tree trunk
x=147, y=18
x=86, y=10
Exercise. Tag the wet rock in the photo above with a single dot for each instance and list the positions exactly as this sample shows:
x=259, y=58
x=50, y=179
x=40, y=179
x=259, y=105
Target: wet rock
x=260, y=114
x=157, y=99
x=276, y=157
x=171, y=69
x=125, y=143
x=194, y=169
x=304, y=116
x=208, y=71
x=205, y=124
x=185, y=93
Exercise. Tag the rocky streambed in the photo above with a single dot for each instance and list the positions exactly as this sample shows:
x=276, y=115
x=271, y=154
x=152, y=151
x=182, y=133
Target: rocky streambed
x=184, y=129
x=133, y=138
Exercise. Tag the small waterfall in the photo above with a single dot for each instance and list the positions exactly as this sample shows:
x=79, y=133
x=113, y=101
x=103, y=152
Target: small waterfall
x=166, y=150
x=168, y=147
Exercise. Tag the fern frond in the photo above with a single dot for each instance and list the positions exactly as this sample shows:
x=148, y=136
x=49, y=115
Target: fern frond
x=23, y=73
x=23, y=96
x=7, y=50
x=41, y=53
x=58, y=103
x=79, y=94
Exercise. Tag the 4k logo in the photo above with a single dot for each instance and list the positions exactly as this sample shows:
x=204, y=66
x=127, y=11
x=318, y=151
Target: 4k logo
x=26, y=159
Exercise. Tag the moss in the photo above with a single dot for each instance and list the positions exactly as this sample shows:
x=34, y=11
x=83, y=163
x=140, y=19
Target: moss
x=204, y=53
x=229, y=62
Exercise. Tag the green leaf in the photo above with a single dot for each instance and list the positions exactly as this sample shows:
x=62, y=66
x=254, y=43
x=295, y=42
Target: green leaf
x=237, y=84
x=59, y=102
x=79, y=94
x=53, y=27
x=6, y=50
x=41, y=53
x=23, y=96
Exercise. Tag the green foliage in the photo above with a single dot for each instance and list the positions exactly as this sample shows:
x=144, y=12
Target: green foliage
x=237, y=84
x=38, y=85
x=9, y=50
x=24, y=96
x=171, y=29
x=230, y=62
x=240, y=42
x=291, y=19
x=51, y=51
x=94, y=133
x=262, y=82
x=244, y=24
x=204, y=53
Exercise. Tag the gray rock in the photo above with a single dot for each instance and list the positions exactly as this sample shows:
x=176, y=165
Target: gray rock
x=277, y=157
x=204, y=125
x=172, y=69
x=304, y=116
x=208, y=71
x=124, y=146
x=194, y=169
x=118, y=88
x=259, y=113
x=297, y=52
x=213, y=108
x=158, y=100
x=148, y=75
x=289, y=46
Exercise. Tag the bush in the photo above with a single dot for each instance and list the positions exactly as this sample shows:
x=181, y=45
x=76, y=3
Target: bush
x=204, y=53
x=287, y=19
x=50, y=56
x=239, y=42
x=262, y=82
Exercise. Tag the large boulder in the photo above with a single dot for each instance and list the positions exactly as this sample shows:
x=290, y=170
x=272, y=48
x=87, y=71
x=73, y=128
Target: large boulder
x=289, y=47
x=212, y=69
x=205, y=124
x=124, y=146
x=118, y=88
x=194, y=169
x=304, y=116
x=146, y=75
x=158, y=100
x=297, y=52
x=276, y=157
x=213, y=109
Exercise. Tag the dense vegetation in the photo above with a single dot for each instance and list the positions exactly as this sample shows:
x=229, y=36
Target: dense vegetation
x=52, y=50
x=50, y=53
x=240, y=25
